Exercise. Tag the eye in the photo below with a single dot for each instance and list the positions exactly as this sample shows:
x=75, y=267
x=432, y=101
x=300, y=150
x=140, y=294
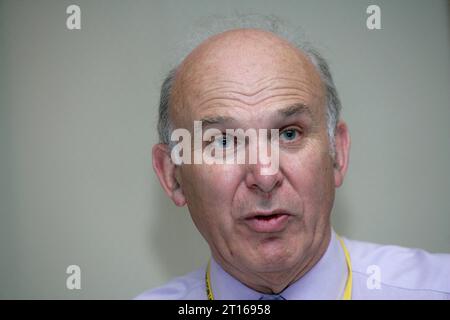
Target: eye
x=289, y=134
x=224, y=141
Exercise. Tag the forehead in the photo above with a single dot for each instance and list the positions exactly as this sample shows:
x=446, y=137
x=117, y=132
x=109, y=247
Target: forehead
x=250, y=69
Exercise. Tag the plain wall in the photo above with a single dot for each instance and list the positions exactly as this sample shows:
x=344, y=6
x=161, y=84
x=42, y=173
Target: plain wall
x=78, y=112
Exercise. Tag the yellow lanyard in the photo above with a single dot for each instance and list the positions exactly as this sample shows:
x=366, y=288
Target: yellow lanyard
x=348, y=285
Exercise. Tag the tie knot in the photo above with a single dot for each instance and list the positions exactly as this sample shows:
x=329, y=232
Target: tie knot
x=271, y=297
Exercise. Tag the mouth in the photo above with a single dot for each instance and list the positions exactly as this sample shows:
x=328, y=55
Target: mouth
x=267, y=222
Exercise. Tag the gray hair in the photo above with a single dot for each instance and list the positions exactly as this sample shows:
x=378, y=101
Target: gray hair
x=215, y=25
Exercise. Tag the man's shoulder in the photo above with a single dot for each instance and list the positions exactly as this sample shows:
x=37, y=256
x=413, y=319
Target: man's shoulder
x=190, y=286
x=408, y=272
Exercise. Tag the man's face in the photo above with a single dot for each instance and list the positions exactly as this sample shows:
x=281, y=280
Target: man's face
x=255, y=222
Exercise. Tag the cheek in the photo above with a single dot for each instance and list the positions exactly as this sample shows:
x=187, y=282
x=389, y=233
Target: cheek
x=214, y=183
x=311, y=175
x=209, y=191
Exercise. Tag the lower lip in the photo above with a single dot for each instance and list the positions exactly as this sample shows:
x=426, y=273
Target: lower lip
x=275, y=223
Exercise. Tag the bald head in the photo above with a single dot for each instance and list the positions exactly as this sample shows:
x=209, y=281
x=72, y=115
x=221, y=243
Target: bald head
x=246, y=58
x=241, y=52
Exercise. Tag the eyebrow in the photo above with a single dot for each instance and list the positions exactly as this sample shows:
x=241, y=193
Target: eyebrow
x=294, y=110
x=216, y=120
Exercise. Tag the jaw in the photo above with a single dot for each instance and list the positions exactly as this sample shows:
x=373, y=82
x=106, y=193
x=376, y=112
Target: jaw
x=272, y=270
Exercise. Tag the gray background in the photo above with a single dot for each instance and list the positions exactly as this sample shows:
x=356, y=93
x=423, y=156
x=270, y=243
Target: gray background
x=77, y=123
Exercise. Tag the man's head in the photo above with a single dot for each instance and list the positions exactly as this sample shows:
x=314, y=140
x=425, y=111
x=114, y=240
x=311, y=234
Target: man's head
x=266, y=230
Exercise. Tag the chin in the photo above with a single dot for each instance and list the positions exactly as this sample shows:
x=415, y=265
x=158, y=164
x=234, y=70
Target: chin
x=272, y=262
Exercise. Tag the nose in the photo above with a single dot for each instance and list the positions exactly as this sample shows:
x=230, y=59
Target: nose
x=262, y=183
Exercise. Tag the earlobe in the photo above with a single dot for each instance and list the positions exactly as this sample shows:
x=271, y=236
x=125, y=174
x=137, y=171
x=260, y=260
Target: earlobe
x=165, y=169
x=342, y=143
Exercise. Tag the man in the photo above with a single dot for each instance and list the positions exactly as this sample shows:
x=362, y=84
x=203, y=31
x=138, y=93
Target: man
x=270, y=234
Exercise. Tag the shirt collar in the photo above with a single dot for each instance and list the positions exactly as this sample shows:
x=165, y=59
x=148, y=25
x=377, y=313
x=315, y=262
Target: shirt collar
x=326, y=280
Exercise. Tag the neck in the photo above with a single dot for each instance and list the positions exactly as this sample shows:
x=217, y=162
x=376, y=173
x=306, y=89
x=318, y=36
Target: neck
x=276, y=282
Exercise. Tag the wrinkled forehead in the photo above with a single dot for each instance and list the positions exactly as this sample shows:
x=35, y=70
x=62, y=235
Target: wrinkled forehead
x=249, y=66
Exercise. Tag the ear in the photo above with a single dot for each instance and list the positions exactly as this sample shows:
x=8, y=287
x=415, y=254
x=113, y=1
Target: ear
x=342, y=143
x=165, y=169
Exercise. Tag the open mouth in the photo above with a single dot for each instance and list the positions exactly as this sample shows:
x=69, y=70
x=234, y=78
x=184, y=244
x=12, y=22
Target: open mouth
x=269, y=217
x=268, y=223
